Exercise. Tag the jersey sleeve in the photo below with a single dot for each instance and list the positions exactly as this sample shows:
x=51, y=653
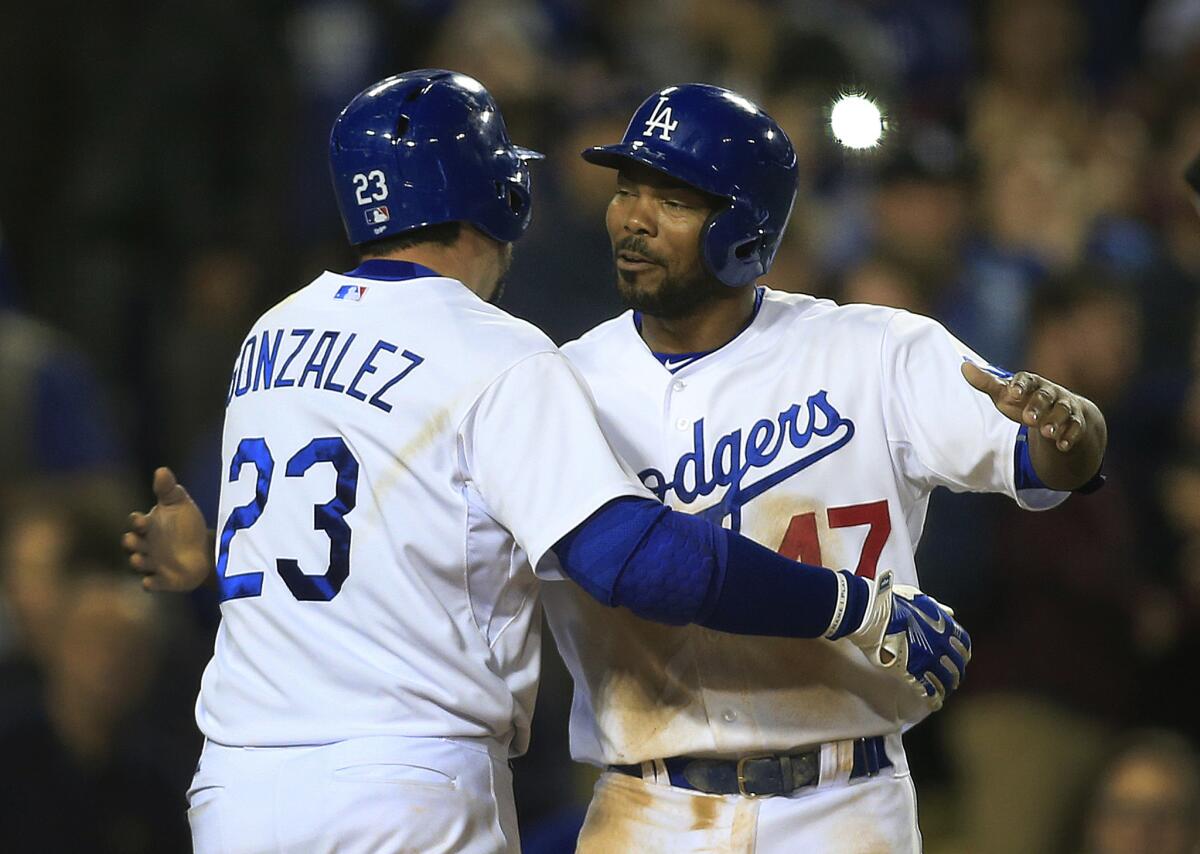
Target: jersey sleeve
x=942, y=431
x=532, y=449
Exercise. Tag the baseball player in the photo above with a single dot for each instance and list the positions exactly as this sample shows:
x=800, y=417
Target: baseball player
x=817, y=430
x=403, y=461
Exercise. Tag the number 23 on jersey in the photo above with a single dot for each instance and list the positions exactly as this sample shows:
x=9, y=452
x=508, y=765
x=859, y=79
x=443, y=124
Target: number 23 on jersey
x=329, y=517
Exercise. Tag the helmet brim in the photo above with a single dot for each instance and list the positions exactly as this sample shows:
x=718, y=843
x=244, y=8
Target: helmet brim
x=673, y=166
x=528, y=153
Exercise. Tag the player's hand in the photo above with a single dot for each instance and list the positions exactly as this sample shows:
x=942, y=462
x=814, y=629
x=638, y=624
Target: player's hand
x=1057, y=414
x=170, y=546
x=917, y=635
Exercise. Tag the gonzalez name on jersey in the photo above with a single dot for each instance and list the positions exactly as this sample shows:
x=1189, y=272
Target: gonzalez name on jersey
x=388, y=616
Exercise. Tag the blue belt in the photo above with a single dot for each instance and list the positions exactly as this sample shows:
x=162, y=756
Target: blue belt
x=765, y=774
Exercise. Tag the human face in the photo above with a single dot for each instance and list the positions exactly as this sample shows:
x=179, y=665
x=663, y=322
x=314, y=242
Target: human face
x=1145, y=807
x=654, y=223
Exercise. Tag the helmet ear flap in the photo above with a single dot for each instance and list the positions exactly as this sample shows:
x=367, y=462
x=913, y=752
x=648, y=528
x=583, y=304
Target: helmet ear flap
x=514, y=195
x=734, y=246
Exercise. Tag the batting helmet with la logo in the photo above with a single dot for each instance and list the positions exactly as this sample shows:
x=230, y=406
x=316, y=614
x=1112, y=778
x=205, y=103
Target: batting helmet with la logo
x=724, y=144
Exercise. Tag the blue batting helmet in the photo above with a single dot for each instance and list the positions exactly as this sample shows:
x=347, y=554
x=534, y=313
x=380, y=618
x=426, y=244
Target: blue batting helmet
x=719, y=142
x=427, y=147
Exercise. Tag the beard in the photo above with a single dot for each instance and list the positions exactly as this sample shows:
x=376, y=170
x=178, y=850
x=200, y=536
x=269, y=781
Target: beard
x=506, y=256
x=675, y=296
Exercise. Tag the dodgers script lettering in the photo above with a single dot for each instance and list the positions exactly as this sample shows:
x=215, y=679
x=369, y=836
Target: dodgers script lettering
x=736, y=454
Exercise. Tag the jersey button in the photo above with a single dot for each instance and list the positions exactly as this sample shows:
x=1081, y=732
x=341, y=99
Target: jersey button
x=729, y=715
x=678, y=385
x=682, y=424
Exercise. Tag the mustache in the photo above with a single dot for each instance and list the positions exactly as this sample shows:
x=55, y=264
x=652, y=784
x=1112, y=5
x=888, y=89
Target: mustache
x=637, y=244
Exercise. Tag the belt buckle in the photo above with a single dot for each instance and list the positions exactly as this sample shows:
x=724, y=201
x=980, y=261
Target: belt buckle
x=741, y=773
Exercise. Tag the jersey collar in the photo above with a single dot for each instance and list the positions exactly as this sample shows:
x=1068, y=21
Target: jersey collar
x=389, y=270
x=677, y=361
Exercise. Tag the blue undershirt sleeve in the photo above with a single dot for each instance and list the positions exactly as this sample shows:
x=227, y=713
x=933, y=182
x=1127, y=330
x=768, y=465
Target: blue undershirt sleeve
x=675, y=568
x=1027, y=476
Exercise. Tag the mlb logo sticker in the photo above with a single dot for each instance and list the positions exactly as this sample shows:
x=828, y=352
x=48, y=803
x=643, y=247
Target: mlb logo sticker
x=350, y=292
x=377, y=215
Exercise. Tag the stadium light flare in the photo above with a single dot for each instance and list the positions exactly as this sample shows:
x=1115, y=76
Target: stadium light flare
x=856, y=121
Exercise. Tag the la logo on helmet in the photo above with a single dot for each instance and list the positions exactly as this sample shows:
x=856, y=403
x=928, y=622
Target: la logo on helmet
x=660, y=119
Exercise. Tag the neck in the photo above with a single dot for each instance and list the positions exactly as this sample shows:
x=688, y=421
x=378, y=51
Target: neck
x=471, y=259
x=710, y=326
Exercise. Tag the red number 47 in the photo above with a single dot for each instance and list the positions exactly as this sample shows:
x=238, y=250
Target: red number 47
x=801, y=543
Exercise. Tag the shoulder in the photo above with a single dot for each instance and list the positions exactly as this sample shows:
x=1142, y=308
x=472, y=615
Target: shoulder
x=601, y=341
x=505, y=350
x=818, y=316
x=895, y=335
x=297, y=299
x=436, y=310
x=507, y=339
x=905, y=328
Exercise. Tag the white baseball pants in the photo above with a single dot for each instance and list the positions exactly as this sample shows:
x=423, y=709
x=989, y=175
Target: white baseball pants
x=869, y=815
x=380, y=794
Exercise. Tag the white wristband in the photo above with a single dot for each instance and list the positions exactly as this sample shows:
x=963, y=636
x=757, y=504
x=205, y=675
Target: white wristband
x=839, y=609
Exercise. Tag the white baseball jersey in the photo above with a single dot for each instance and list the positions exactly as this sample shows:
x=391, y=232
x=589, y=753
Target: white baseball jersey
x=819, y=431
x=398, y=456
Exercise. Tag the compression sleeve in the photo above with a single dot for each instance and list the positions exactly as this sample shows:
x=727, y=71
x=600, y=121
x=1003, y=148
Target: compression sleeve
x=675, y=568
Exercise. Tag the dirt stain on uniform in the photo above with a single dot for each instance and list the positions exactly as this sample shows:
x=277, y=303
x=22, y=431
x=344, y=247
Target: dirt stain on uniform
x=704, y=812
x=651, y=685
x=614, y=816
x=771, y=517
x=640, y=674
x=434, y=427
x=428, y=433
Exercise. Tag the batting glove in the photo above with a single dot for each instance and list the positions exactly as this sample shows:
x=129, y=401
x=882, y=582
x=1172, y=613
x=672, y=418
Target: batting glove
x=911, y=631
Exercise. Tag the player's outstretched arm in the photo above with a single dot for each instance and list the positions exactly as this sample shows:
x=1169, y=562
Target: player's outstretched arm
x=675, y=568
x=1067, y=432
x=171, y=546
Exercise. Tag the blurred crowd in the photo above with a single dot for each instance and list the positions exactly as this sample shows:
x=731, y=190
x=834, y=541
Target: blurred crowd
x=163, y=181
